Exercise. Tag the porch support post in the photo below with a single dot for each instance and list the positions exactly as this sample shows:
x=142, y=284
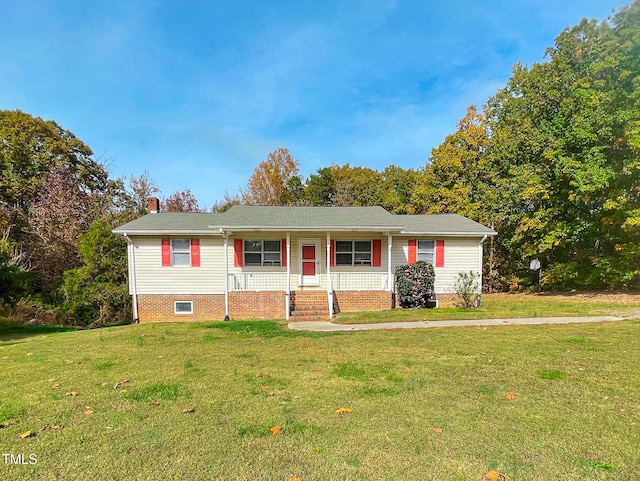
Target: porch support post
x=389, y=245
x=329, y=286
x=226, y=275
x=287, y=297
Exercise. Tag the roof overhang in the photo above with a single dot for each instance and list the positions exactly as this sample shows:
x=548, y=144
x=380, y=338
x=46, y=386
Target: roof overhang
x=371, y=228
x=449, y=233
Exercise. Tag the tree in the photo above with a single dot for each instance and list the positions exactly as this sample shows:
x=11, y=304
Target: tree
x=96, y=292
x=268, y=184
x=397, y=189
x=49, y=184
x=182, y=201
x=61, y=213
x=320, y=188
x=356, y=186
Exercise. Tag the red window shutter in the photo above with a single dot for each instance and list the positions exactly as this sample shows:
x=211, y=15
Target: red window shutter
x=166, y=252
x=283, y=252
x=439, y=253
x=377, y=252
x=332, y=250
x=237, y=253
x=413, y=252
x=195, y=252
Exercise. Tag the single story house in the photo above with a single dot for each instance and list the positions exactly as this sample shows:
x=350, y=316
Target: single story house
x=298, y=263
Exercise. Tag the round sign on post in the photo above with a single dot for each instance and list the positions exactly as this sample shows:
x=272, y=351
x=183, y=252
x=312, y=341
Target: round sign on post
x=534, y=265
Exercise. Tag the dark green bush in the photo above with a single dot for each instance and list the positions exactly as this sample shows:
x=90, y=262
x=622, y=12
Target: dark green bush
x=415, y=284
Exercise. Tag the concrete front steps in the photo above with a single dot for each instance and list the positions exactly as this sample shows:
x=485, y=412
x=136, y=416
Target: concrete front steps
x=309, y=306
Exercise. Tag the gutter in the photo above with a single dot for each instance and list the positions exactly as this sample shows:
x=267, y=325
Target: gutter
x=132, y=276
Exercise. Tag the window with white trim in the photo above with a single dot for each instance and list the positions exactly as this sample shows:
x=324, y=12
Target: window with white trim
x=183, y=307
x=181, y=252
x=262, y=253
x=425, y=251
x=353, y=253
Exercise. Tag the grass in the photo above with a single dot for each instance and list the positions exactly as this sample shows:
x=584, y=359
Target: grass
x=499, y=306
x=575, y=416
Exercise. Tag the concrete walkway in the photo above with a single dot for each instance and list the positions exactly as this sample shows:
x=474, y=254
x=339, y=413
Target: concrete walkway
x=330, y=327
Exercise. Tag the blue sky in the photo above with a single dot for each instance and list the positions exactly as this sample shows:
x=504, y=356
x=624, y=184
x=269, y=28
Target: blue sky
x=197, y=93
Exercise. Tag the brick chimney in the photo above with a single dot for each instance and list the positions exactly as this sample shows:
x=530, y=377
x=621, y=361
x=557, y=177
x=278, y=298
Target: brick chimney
x=153, y=205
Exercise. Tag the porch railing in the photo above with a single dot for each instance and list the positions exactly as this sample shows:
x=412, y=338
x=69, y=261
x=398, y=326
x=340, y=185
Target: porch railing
x=277, y=281
x=359, y=281
x=257, y=281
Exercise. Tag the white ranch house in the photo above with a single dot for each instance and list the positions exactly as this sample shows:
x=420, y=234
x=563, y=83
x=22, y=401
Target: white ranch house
x=287, y=262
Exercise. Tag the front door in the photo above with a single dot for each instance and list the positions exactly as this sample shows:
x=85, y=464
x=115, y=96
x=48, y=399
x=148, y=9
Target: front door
x=309, y=263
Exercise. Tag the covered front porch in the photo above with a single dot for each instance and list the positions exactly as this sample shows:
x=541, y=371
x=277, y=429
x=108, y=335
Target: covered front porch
x=326, y=263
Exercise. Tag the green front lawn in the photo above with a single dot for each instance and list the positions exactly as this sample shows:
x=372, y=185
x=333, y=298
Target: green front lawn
x=575, y=415
x=499, y=306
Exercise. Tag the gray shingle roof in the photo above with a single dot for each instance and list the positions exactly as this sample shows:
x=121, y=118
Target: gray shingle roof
x=267, y=218
x=442, y=224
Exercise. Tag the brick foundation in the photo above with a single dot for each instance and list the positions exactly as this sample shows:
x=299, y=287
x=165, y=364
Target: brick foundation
x=159, y=307
x=446, y=300
x=257, y=305
x=210, y=307
x=354, y=301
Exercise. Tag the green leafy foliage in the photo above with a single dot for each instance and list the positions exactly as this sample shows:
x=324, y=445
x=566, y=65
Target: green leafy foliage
x=96, y=293
x=415, y=284
x=466, y=287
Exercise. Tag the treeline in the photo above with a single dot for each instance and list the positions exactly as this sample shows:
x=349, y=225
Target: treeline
x=551, y=161
x=59, y=260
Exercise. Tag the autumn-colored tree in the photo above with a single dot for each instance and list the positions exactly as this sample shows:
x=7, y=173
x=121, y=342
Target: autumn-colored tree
x=356, y=186
x=62, y=212
x=269, y=182
x=182, y=201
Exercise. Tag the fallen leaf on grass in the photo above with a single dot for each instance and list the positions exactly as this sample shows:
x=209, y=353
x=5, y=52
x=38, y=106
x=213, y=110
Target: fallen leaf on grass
x=189, y=411
x=53, y=379
x=511, y=395
x=495, y=476
x=4, y=425
x=105, y=384
x=5, y=357
x=27, y=434
x=344, y=410
x=275, y=430
x=55, y=386
x=68, y=361
x=154, y=403
x=295, y=479
x=160, y=357
x=72, y=393
x=437, y=430
x=54, y=427
x=29, y=354
x=120, y=383
x=258, y=375
x=407, y=368
x=88, y=412
x=265, y=388
x=122, y=391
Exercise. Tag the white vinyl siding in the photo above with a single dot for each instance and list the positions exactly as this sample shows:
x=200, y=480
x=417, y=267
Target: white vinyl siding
x=460, y=254
x=152, y=278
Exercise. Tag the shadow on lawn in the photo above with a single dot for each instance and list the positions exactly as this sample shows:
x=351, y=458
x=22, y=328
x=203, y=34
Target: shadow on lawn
x=11, y=331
